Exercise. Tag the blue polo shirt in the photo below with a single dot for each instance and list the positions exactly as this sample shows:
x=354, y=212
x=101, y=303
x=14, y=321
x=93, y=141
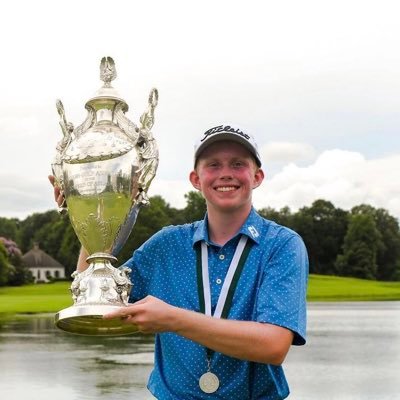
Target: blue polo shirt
x=271, y=289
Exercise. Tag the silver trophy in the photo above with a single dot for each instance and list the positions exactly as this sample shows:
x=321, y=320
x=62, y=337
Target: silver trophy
x=104, y=167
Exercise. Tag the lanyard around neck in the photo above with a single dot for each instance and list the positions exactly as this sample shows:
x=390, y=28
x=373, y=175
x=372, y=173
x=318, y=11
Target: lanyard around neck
x=231, y=280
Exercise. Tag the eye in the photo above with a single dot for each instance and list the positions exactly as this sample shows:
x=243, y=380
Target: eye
x=237, y=164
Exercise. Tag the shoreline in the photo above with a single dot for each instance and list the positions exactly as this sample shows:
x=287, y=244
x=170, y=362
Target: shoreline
x=53, y=297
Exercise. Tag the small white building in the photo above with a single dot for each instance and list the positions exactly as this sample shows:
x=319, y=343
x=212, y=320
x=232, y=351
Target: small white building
x=42, y=266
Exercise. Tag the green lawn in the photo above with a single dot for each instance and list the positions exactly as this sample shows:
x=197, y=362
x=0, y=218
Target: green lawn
x=38, y=298
x=53, y=297
x=333, y=288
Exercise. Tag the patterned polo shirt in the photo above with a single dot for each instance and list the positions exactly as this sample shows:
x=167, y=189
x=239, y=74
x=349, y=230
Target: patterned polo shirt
x=271, y=289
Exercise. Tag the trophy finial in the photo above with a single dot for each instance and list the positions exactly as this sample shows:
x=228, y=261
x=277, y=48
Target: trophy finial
x=107, y=71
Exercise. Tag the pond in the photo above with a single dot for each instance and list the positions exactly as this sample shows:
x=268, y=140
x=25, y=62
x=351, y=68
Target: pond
x=352, y=353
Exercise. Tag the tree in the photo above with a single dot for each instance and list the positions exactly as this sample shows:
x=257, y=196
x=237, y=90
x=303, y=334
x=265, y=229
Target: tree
x=18, y=274
x=31, y=225
x=69, y=250
x=51, y=235
x=388, y=255
x=195, y=207
x=360, y=248
x=4, y=265
x=322, y=227
x=149, y=221
x=9, y=228
x=282, y=217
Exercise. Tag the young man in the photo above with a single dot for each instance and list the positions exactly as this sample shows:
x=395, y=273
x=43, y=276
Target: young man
x=226, y=295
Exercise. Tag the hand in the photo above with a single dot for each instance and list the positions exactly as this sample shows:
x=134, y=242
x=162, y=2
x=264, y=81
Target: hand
x=58, y=194
x=150, y=314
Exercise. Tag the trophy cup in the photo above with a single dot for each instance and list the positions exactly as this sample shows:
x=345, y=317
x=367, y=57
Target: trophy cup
x=104, y=167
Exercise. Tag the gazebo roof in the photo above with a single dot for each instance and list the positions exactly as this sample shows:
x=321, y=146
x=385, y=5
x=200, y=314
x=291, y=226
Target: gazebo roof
x=38, y=258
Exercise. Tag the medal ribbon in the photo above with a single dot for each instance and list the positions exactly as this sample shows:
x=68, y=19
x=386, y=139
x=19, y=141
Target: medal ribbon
x=230, y=283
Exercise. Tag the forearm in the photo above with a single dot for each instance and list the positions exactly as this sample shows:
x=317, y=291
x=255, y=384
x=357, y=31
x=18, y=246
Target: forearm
x=82, y=264
x=247, y=340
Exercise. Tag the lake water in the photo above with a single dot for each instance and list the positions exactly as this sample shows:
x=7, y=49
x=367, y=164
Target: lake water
x=352, y=353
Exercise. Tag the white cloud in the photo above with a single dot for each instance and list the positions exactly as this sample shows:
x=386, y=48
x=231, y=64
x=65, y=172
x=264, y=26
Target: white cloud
x=287, y=152
x=287, y=76
x=345, y=178
x=20, y=197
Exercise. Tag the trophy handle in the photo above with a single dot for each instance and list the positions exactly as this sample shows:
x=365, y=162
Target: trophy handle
x=67, y=129
x=147, y=118
x=148, y=149
x=87, y=123
x=128, y=127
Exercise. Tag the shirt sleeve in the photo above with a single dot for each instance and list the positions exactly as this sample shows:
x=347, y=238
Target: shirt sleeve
x=146, y=265
x=282, y=293
x=141, y=264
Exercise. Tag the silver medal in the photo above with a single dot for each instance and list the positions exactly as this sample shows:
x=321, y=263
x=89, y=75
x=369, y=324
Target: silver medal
x=209, y=382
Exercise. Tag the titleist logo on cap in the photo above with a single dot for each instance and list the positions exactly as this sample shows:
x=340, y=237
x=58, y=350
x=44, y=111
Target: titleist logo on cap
x=222, y=128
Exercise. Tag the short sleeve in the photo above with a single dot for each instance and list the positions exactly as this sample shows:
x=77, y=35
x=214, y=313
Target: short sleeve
x=282, y=293
x=141, y=265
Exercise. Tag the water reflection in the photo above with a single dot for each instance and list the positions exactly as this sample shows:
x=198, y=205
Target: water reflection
x=51, y=363
x=353, y=353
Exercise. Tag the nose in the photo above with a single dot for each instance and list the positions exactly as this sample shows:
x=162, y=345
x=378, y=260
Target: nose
x=226, y=172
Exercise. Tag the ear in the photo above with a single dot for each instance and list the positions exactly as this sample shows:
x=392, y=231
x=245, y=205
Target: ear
x=258, y=178
x=195, y=180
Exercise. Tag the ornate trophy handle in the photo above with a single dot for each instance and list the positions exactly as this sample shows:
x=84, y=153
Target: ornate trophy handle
x=87, y=123
x=153, y=98
x=148, y=149
x=147, y=118
x=67, y=129
x=130, y=128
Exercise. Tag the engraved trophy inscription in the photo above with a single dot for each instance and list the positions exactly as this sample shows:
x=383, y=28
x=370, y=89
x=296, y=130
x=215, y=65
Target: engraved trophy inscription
x=104, y=167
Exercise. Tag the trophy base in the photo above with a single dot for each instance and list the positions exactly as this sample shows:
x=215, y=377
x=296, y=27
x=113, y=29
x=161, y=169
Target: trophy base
x=88, y=320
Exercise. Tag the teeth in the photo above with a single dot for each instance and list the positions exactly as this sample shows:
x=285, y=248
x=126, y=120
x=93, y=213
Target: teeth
x=225, y=188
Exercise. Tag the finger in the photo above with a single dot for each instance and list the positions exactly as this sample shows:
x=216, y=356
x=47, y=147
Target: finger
x=122, y=313
x=52, y=179
x=142, y=301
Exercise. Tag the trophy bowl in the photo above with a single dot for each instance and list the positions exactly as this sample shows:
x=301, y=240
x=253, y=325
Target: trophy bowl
x=104, y=168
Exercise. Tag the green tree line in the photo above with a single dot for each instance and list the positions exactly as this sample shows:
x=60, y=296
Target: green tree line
x=363, y=242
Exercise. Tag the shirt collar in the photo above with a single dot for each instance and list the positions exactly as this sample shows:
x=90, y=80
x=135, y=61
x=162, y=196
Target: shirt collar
x=251, y=228
x=201, y=232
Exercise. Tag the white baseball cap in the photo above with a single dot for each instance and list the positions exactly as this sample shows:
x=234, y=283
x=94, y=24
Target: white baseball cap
x=227, y=132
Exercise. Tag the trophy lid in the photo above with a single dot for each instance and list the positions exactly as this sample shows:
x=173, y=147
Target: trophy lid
x=108, y=73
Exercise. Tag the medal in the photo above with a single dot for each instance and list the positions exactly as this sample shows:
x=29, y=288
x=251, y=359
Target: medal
x=209, y=382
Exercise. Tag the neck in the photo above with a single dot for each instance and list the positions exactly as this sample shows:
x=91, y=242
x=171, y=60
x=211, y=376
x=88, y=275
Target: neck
x=223, y=226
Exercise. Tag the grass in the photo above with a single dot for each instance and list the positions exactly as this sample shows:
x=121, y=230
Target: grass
x=50, y=298
x=40, y=298
x=334, y=288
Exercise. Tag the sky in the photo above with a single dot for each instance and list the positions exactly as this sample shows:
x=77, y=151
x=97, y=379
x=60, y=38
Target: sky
x=316, y=82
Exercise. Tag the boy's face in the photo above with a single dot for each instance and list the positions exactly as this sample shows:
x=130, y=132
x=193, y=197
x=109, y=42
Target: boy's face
x=226, y=174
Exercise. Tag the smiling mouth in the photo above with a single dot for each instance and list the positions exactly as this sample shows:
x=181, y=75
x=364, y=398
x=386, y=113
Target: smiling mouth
x=225, y=188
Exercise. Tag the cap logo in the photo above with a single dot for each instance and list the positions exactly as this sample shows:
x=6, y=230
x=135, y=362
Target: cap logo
x=222, y=128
